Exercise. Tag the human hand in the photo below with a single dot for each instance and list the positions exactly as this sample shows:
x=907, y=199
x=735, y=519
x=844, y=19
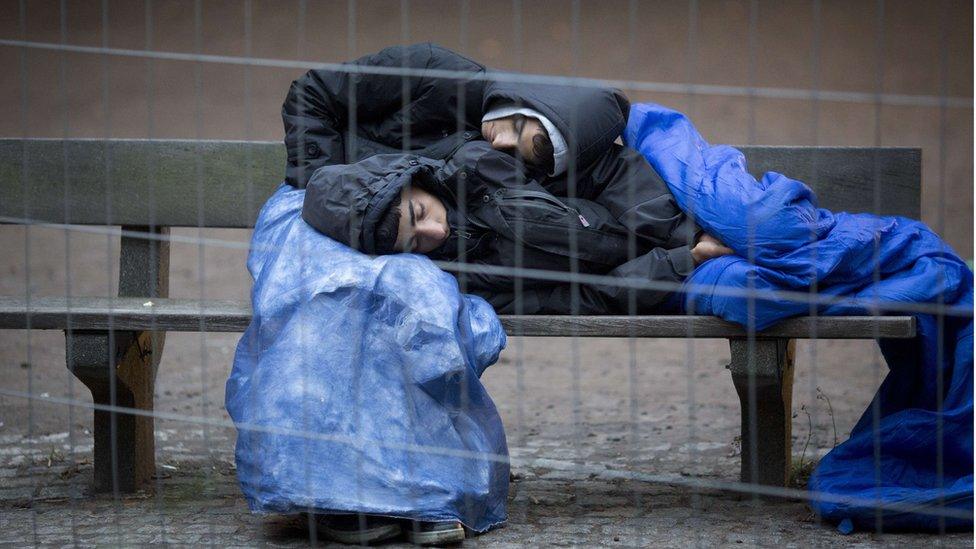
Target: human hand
x=708, y=247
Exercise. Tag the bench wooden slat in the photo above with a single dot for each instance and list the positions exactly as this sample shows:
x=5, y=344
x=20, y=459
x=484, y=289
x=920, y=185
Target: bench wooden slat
x=884, y=181
x=169, y=183
x=174, y=183
x=187, y=315
x=849, y=327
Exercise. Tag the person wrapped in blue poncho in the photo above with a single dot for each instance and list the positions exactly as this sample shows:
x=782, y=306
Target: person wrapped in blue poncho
x=922, y=478
x=353, y=392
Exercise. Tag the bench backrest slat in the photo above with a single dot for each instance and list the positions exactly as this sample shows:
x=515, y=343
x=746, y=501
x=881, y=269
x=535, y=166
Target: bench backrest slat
x=224, y=183
x=882, y=180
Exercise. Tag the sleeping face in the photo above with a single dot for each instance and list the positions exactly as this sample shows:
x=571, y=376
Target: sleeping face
x=519, y=135
x=423, y=221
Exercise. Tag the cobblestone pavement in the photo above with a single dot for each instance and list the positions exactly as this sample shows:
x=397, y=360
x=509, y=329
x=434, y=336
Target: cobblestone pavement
x=45, y=501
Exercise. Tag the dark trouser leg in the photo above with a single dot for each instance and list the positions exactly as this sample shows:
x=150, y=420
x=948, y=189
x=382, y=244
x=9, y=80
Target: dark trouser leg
x=762, y=371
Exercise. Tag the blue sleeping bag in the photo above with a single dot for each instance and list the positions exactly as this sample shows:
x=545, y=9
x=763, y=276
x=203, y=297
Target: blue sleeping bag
x=925, y=404
x=356, y=386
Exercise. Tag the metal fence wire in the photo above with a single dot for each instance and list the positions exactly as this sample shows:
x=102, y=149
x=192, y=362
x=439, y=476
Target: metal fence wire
x=590, y=443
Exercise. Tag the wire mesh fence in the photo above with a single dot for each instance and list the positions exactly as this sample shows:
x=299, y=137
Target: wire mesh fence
x=91, y=198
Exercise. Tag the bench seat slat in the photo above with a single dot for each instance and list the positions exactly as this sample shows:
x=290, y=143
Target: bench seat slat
x=190, y=315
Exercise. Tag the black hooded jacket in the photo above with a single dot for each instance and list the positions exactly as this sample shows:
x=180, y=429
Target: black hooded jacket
x=636, y=230
x=339, y=117
x=514, y=241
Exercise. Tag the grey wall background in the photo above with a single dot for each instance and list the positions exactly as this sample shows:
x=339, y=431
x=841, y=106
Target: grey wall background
x=891, y=47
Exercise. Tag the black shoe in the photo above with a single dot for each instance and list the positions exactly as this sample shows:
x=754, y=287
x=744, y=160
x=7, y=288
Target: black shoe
x=434, y=533
x=358, y=529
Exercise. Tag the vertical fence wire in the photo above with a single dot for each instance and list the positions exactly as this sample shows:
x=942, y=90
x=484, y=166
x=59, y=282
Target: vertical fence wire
x=405, y=89
x=24, y=178
x=352, y=113
x=112, y=354
x=312, y=518
x=463, y=31
x=809, y=409
x=69, y=335
x=248, y=107
x=572, y=172
x=753, y=53
x=156, y=247
x=633, y=396
x=691, y=76
x=879, y=52
x=519, y=282
x=751, y=409
x=459, y=127
x=201, y=249
x=752, y=70
x=521, y=438
x=940, y=229
x=308, y=465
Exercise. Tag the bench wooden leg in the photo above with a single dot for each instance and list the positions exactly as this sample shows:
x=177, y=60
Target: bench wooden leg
x=762, y=371
x=120, y=370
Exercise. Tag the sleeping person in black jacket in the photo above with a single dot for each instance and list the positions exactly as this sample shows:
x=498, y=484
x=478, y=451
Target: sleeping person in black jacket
x=491, y=172
x=405, y=202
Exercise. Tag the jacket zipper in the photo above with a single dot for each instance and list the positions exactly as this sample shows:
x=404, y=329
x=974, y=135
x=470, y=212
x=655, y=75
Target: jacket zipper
x=472, y=241
x=545, y=197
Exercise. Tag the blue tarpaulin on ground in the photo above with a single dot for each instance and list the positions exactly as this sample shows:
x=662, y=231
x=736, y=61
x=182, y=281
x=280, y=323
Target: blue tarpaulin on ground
x=922, y=416
x=356, y=386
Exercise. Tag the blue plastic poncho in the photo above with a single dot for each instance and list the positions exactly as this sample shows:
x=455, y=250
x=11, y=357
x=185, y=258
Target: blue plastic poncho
x=356, y=386
x=794, y=244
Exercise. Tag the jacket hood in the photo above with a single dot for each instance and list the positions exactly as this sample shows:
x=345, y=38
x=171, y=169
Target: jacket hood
x=589, y=118
x=347, y=201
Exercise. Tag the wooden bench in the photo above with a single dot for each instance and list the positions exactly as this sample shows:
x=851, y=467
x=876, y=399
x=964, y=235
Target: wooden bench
x=113, y=344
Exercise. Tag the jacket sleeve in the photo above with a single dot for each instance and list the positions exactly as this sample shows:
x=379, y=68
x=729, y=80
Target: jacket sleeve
x=322, y=105
x=624, y=182
x=645, y=284
x=657, y=266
